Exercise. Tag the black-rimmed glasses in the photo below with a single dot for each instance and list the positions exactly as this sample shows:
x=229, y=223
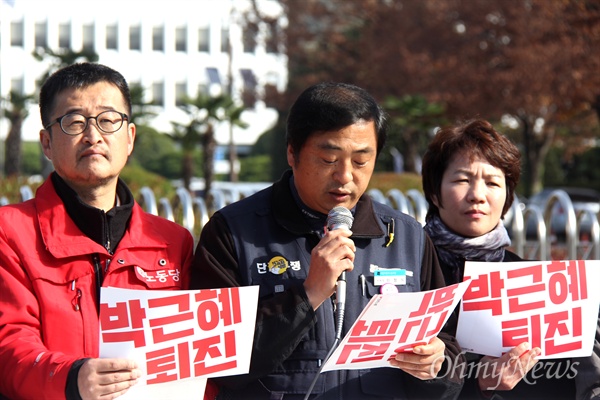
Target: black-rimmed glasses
x=73, y=124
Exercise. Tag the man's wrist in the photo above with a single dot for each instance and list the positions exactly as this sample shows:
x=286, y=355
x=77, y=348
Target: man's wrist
x=71, y=387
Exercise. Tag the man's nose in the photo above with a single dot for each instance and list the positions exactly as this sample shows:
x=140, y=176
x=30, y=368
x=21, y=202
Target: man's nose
x=92, y=133
x=343, y=172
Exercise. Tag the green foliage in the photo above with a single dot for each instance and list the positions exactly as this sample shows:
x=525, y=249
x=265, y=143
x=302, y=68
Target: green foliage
x=255, y=169
x=411, y=119
x=141, y=111
x=154, y=151
x=273, y=144
x=554, y=174
x=583, y=170
x=137, y=177
x=31, y=162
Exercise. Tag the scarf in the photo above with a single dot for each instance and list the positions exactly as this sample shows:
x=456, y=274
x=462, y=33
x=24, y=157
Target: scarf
x=453, y=250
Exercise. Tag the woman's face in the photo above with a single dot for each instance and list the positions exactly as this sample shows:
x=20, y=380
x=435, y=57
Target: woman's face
x=473, y=194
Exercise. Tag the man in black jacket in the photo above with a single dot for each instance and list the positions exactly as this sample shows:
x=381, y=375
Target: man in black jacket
x=276, y=239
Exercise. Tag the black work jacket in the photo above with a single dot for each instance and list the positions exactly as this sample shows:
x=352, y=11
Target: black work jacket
x=265, y=240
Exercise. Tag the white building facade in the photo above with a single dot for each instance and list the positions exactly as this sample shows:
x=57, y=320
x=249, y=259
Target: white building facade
x=171, y=48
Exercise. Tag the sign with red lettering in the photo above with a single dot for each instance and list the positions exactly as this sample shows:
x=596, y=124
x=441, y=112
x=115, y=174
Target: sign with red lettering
x=179, y=335
x=393, y=323
x=552, y=305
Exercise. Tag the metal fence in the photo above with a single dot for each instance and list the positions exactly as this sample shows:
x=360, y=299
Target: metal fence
x=527, y=225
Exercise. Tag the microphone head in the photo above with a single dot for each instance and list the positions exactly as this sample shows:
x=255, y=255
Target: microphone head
x=339, y=217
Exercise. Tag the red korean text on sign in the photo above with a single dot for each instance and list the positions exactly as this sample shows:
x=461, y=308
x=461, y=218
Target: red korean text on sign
x=567, y=280
x=545, y=331
x=560, y=281
x=127, y=314
x=520, y=298
x=369, y=341
x=201, y=357
x=428, y=319
x=180, y=304
x=484, y=293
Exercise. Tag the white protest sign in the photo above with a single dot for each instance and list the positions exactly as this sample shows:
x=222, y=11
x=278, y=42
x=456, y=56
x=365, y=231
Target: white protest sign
x=179, y=338
x=392, y=323
x=550, y=304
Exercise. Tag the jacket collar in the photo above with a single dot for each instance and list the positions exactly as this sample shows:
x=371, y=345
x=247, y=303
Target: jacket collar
x=287, y=213
x=104, y=228
x=63, y=238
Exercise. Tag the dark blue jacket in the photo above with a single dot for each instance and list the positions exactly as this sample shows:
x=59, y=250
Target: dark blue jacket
x=265, y=240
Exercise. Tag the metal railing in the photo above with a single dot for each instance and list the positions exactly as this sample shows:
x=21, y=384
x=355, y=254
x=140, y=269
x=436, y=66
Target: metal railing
x=528, y=226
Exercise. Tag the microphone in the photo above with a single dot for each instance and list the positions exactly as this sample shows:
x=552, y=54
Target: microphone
x=340, y=217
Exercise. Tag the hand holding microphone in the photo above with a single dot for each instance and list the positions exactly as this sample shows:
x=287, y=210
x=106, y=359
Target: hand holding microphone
x=333, y=255
x=339, y=218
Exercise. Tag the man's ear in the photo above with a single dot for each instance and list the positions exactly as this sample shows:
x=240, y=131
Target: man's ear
x=131, y=130
x=291, y=158
x=46, y=142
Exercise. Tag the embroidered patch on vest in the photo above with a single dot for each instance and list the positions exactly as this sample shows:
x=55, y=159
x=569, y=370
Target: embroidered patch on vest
x=278, y=265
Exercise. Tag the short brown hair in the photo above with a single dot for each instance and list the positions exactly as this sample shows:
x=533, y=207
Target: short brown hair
x=475, y=138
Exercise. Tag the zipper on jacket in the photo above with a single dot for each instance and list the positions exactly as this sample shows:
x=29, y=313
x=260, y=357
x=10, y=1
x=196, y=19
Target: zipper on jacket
x=76, y=302
x=98, y=275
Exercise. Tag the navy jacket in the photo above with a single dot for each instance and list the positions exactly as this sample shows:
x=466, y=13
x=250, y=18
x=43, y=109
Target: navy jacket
x=265, y=240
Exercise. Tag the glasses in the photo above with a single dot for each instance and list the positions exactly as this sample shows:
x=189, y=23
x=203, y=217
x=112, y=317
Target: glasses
x=73, y=124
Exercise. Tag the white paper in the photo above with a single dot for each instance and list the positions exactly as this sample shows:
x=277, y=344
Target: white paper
x=216, y=329
x=386, y=325
x=550, y=304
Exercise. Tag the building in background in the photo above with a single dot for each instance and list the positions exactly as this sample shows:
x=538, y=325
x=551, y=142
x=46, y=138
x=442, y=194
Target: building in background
x=172, y=48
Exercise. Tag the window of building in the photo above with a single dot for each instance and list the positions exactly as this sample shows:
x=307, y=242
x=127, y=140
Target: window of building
x=16, y=33
x=135, y=37
x=41, y=36
x=158, y=38
x=272, y=39
x=203, y=39
x=64, y=35
x=180, y=92
x=88, y=36
x=249, y=92
x=181, y=39
x=213, y=76
x=214, y=87
x=112, y=33
x=224, y=40
x=158, y=93
x=249, y=38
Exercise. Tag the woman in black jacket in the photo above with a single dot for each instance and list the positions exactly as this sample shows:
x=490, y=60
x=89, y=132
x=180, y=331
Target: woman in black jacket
x=470, y=172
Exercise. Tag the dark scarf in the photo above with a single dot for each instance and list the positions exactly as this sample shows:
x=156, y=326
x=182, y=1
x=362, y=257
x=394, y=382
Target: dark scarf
x=453, y=250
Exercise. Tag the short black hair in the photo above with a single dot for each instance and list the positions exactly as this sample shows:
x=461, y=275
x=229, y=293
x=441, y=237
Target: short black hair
x=78, y=76
x=331, y=106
